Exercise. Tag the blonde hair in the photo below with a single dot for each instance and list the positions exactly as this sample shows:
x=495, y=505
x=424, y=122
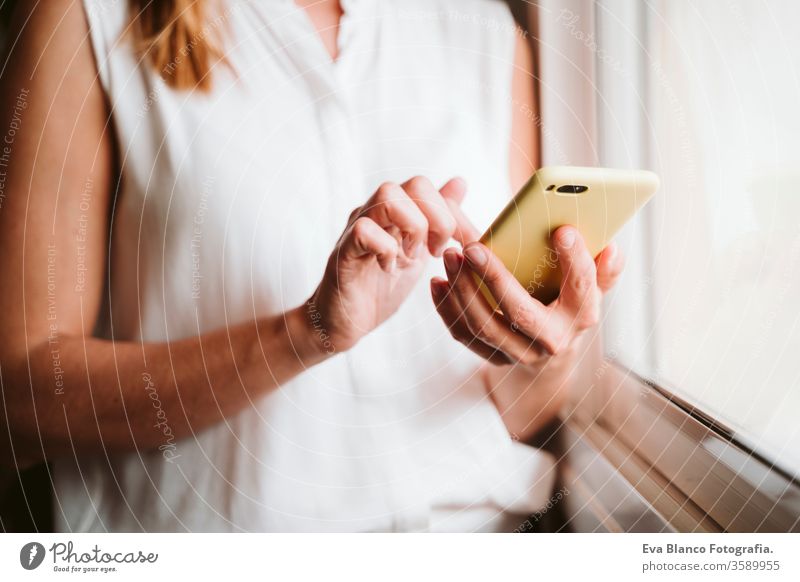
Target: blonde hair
x=177, y=38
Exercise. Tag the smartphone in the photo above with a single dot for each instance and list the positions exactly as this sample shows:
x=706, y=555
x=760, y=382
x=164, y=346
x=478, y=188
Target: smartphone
x=597, y=201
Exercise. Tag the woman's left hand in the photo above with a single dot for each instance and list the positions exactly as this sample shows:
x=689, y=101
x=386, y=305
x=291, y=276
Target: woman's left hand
x=527, y=331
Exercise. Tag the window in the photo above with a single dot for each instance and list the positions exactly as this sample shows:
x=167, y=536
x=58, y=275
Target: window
x=695, y=392
x=720, y=100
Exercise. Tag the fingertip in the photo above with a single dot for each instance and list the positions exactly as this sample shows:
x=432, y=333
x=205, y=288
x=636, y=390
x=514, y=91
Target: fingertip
x=476, y=254
x=611, y=252
x=436, y=245
x=450, y=251
x=565, y=237
x=459, y=182
x=439, y=288
x=455, y=188
x=452, y=261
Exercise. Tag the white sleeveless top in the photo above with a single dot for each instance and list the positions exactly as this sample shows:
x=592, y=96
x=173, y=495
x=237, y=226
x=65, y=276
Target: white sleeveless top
x=229, y=206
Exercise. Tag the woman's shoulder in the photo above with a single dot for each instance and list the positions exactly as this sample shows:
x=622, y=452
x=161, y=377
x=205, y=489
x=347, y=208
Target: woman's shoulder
x=51, y=31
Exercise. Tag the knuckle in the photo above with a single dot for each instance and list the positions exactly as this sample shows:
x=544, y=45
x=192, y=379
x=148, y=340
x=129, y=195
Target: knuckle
x=419, y=184
x=403, y=208
x=387, y=204
x=584, y=282
x=386, y=191
x=522, y=318
x=361, y=228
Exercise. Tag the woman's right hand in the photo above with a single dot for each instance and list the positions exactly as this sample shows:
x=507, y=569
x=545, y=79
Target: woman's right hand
x=380, y=257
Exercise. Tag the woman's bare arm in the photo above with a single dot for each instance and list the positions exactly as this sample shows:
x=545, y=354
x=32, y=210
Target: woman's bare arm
x=524, y=152
x=65, y=392
x=62, y=390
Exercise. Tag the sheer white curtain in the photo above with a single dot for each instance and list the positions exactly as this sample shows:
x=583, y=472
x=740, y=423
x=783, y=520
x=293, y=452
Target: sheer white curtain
x=725, y=89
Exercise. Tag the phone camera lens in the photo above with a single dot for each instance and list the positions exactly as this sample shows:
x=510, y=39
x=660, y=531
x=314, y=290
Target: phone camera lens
x=572, y=189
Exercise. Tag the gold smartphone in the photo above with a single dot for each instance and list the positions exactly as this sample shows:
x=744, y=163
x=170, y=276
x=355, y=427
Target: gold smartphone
x=597, y=201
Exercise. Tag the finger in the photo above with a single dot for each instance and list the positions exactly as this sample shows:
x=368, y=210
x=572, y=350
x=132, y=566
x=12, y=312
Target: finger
x=453, y=192
x=610, y=263
x=390, y=206
x=366, y=238
x=579, y=294
x=441, y=224
x=448, y=309
x=455, y=189
x=529, y=316
x=465, y=231
x=482, y=321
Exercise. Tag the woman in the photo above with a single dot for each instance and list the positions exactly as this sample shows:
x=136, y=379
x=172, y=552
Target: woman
x=220, y=240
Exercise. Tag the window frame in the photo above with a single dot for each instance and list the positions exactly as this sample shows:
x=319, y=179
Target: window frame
x=692, y=472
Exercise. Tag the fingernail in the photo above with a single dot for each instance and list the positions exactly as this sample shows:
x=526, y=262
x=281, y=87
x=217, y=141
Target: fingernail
x=451, y=262
x=612, y=251
x=567, y=238
x=475, y=255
